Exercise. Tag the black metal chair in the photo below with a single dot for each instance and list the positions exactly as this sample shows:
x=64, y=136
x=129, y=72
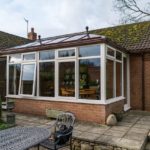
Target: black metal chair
x=62, y=136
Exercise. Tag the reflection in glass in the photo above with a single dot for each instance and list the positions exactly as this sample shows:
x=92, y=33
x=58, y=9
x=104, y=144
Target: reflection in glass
x=27, y=79
x=45, y=55
x=15, y=58
x=89, y=79
x=66, y=53
x=109, y=79
x=14, y=78
x=110, y=52
x=67, y=79
x=118, y=55
x=86, y=51
x=125, y=78
x=46, y=79
x=118, y=79
x=29, y=57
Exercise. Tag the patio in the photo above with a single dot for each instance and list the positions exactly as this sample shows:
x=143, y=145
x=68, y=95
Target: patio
x=130, y=133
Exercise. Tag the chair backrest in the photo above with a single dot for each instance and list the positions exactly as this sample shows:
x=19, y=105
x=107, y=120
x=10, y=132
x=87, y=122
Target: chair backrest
x=66, y=119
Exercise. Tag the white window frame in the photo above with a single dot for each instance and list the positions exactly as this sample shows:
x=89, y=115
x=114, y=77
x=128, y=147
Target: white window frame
x=34, y=79
x=103, y=56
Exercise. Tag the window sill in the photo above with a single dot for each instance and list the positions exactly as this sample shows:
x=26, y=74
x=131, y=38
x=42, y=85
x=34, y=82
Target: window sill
x=67, y=99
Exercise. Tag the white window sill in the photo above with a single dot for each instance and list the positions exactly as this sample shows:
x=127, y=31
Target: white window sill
x=67, y=99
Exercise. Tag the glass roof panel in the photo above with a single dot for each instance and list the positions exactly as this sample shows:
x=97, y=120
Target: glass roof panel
x=76, y=37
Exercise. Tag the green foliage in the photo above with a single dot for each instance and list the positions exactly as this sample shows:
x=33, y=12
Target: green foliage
x=0, y=108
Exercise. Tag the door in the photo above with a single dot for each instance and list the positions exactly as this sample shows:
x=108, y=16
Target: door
x=126, y=89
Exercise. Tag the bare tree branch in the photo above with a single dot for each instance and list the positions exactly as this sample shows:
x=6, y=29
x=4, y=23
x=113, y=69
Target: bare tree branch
x=131, y=10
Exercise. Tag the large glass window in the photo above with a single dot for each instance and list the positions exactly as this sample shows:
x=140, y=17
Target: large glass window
x=66, y=53
x=118, y=79
x=93, y=50
x=109, y=79
x=67, y=79
x=89, y=78
x=46, y=79
x=14, y=78
x=46, y=55
x=27, y=79
x=29, y=56
x=15, y=58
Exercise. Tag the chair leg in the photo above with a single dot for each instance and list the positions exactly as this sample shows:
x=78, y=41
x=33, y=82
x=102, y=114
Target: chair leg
x=71, y=143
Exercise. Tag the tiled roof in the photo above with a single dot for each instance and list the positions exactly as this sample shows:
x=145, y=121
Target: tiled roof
x=134, y=38
x=8, y=40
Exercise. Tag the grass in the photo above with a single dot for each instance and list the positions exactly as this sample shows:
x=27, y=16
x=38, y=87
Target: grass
x=3, y=125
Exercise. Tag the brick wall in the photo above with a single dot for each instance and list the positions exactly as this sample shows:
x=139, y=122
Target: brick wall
x=85, y=112
x=136, y=81
x=147, y=81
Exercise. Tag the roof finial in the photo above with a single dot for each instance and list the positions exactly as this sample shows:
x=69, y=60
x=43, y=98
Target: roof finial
x=87, y=30
x=39, y=37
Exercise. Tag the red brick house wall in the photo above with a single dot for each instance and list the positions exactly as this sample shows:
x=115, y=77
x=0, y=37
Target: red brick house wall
x=136, y=81
x=147, y=81
x=85, y=112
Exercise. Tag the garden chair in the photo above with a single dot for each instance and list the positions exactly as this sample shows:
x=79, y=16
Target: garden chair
x=63, y=133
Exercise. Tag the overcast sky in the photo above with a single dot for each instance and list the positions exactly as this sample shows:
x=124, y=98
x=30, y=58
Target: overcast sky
x=55, y=17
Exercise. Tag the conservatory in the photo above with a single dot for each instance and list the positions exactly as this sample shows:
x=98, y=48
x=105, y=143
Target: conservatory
x=84, y=78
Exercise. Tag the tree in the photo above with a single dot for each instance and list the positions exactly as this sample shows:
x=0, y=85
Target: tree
x=133, y=10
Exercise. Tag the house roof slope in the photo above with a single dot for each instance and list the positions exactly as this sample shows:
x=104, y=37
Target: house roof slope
x=134, y=37
x=9, y=40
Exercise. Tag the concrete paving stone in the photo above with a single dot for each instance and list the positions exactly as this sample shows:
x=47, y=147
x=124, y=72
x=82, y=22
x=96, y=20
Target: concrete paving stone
x=135, y=136
x=115, y=133
x=76, y=133
x=108, y=139
x=88, y=136
x=120, y=128
x=98, y=130
x=141, y=131
x=125, y=124
x=141, y=126
x=143, y=122
x=81, y=127
x=130, y=144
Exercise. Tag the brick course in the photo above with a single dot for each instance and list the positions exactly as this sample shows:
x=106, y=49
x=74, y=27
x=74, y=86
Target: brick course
x=86, y=112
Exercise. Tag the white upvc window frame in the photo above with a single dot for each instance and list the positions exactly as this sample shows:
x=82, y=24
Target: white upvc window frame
x=64, y=59
x=90, y=57
x=103, y=57
x=113, y=58
x=34, y=79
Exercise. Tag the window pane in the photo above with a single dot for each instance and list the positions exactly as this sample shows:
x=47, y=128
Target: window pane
x=46, y=79
x=14, y=78
x=66, y=53
x=110, y=52
x=86, y=51
x=45, y=55
x=125, y=78
x=89, y=79
x=29, y=57
x=67, y=79
x=27, y=79
x=118, y=79
x=15, y=58
x=109, y=79
x=118, y=55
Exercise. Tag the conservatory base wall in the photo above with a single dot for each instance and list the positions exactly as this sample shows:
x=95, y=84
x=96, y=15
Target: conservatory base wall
x=85, y=112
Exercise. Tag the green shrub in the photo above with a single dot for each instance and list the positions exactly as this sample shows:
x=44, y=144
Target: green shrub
x=0, y=108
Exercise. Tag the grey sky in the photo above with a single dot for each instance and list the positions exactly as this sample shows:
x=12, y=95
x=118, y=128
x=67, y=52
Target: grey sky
x=54, y=17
